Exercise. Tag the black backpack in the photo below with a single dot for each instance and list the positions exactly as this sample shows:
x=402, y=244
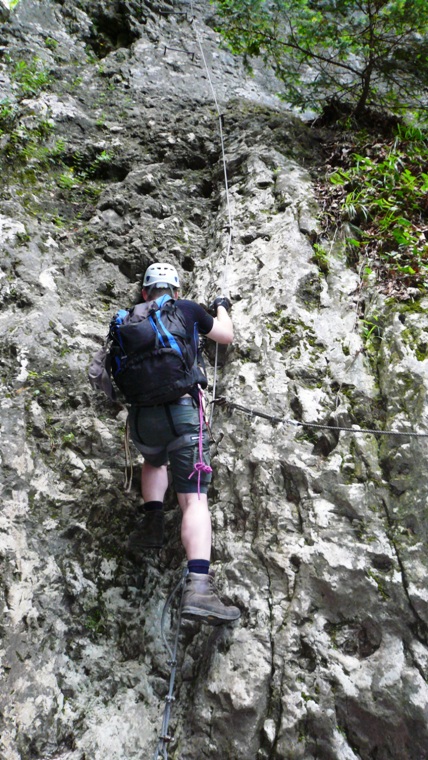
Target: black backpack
x=153, y=359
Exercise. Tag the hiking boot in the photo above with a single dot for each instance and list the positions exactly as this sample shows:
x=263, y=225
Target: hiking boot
x=201, y=601
x=148, y=534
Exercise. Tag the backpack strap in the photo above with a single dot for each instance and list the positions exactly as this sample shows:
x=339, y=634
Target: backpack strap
x=99, y=372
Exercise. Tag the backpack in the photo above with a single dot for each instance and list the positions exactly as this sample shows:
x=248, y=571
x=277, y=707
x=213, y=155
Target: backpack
x=153, y=360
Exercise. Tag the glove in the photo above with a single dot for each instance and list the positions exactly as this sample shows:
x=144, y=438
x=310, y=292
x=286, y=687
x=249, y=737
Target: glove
x=220, y=301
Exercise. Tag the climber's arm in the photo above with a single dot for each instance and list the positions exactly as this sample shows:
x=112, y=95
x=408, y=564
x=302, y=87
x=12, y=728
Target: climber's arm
x=222, y=329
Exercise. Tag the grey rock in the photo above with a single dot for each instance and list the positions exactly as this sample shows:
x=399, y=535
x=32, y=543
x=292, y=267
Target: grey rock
x=320, y=536
x=4, y=11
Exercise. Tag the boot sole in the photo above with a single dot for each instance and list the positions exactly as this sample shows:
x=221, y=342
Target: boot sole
x=203, y=616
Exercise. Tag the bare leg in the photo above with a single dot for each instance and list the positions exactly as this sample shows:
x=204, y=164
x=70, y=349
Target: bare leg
x=195, y=526
x=200, y=598
x=154, y=482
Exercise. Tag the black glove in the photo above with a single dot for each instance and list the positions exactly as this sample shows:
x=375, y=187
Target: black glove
x=220, y=301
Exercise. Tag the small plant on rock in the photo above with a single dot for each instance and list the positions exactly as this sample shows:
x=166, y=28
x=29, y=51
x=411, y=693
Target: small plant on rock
x=31, y=77
x=382, y=189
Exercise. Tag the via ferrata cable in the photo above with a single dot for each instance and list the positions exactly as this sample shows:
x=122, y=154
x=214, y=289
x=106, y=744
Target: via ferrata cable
x=316, y=425
x=165, y=738
x=161, y=752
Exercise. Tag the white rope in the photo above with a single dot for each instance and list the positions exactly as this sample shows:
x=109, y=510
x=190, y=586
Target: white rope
x=223, y=281
x=223, y=152
x=129, y=466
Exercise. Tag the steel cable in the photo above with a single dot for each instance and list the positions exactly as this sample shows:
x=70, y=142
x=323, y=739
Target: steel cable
x=316, y=425
x=164, y=739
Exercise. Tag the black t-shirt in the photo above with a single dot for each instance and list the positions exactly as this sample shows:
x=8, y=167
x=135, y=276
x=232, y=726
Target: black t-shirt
x=195, y=316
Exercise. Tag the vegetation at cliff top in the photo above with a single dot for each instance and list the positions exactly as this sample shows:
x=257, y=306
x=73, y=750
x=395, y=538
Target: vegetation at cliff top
x=362, y=52
x=380, y=187
x=356, y=61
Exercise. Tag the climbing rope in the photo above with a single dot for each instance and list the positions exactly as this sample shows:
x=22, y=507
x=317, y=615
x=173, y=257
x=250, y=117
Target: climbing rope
x=161, y=752
x=129, y=467
x=222, y=401
x=200, y=466
x=220, y=116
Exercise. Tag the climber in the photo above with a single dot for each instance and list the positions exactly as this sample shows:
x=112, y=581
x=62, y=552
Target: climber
x=158, y=427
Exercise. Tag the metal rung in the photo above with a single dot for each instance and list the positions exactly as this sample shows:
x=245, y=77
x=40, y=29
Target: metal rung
x=179, y=50
x=173, y=13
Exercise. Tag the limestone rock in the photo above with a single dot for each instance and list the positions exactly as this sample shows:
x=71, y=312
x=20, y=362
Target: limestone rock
x=111, y=161
x=4, y=11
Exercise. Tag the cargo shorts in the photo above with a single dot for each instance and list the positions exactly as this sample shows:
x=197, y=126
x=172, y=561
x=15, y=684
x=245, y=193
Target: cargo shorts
x=158, y=428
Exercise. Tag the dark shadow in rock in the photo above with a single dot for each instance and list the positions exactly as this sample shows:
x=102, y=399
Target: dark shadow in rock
x=112, y=27
x=353, y=638
x=382, y=562
x=326, y=443
x=309, y=291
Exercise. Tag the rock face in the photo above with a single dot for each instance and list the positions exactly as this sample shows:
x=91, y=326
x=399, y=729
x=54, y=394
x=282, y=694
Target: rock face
x=4, y=11
x=111, y=159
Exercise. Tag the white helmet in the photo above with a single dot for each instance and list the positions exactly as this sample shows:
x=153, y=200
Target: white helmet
x=161, y=276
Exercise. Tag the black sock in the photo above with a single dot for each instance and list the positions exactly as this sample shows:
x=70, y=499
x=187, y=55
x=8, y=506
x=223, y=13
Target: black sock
x=151, y=506
x=198, y=566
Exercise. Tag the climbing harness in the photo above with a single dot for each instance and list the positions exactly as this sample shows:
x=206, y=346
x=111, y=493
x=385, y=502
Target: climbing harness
x=222, y=401
x=187, y=439
x=165, y=738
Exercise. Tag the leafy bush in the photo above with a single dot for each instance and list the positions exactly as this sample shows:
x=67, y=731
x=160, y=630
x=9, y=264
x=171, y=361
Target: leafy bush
x=384, y=191
x=365, y=52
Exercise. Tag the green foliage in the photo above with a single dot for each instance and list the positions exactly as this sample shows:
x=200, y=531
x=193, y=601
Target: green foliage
x=365, y=52
x=385, y=192
x=81, y=172
x=31, y=77
x=51, y=43
x=7, y=116
x=67, y=180
x=320, y=257
x=68, y=438
x=371, y=330
x=26, y=144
